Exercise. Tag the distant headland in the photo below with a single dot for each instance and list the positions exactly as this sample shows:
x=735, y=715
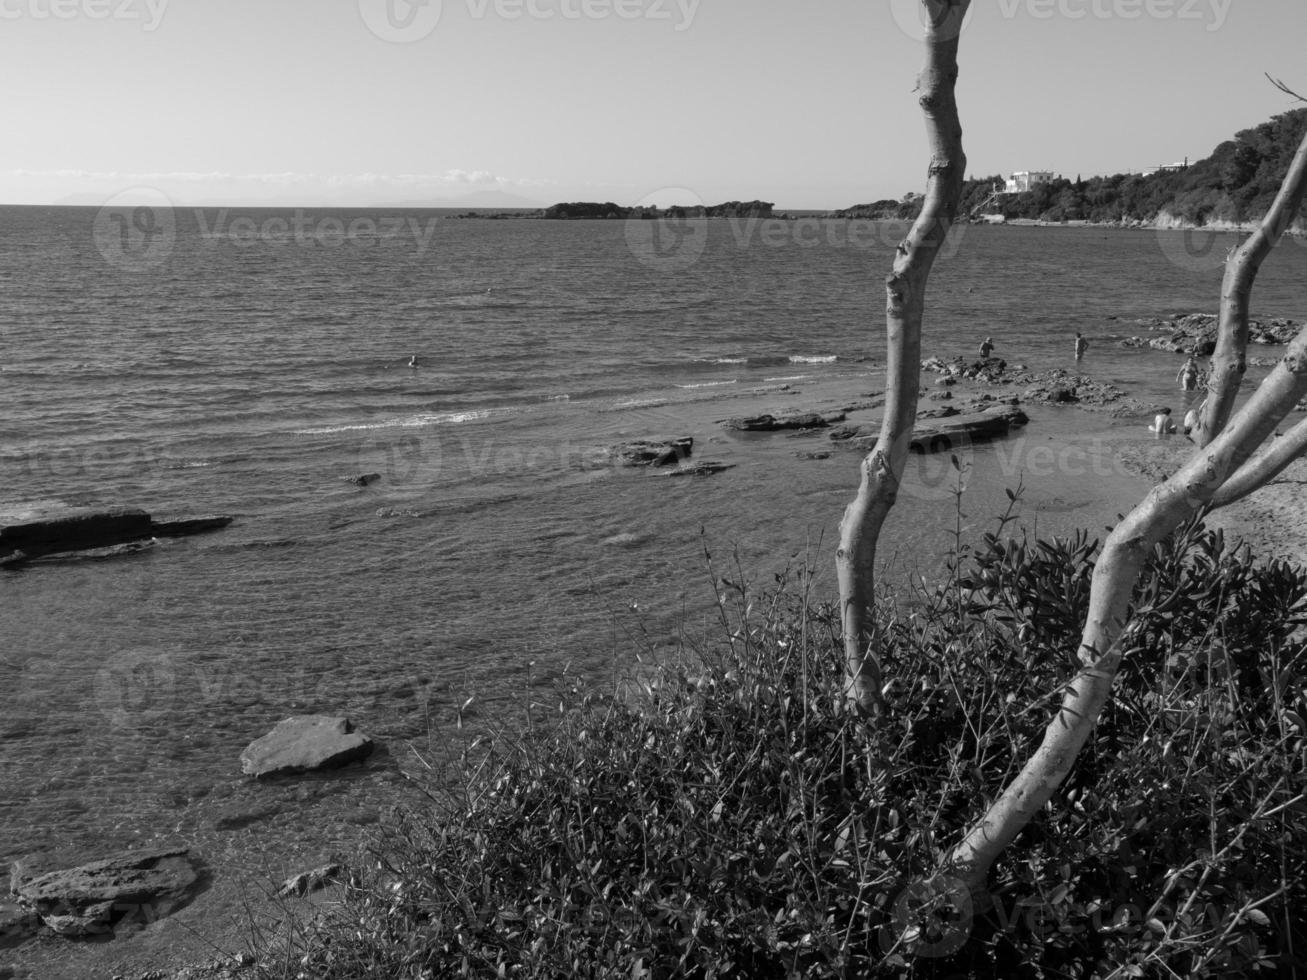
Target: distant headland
x=1230, y=189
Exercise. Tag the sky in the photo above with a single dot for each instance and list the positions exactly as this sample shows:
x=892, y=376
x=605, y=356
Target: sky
x=805, y=103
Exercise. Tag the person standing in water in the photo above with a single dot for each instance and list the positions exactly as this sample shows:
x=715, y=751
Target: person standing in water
x=413, y=361
x=1082, y=345
x=987, y=347
x=1188, y=376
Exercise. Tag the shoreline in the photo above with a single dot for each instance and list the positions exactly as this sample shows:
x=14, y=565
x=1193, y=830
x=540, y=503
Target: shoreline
x=182, y=946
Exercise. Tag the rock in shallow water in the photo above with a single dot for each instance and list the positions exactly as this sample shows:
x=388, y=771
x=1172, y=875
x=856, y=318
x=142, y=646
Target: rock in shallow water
x=135, y=887
x=304, y=744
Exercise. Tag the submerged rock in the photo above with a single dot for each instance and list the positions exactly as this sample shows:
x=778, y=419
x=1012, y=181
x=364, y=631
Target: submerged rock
x=135, y=887
x=304, y=744
x=705, y=467
x=796, y=420
x=649, y=453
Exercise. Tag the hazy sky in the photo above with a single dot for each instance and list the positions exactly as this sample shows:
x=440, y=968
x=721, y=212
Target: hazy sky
x=807, y=103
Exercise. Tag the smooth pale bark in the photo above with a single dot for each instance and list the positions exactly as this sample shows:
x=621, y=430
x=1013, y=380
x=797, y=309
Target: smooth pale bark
x=1124, y=553
x=905, y=289
x=1230, y=361
x=1264, y=467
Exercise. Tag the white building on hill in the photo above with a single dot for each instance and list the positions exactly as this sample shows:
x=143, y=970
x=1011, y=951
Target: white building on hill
x=1024, y=180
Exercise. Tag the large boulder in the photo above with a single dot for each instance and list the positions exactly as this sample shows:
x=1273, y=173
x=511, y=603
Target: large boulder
x=305, y=743
x=135, y=887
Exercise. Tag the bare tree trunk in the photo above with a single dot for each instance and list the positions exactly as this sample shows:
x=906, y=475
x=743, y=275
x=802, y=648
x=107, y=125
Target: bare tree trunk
x=1105, y=634
x=905, y=289
x=1229, y=362
x=1262, y=469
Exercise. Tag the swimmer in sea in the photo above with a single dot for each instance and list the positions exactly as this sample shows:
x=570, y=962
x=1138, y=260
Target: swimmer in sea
x=413, y=361
x=987, y=347
x=1082, y=345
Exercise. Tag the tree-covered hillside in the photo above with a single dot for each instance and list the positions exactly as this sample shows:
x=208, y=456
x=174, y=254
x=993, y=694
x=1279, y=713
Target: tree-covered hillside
x=1235, y=184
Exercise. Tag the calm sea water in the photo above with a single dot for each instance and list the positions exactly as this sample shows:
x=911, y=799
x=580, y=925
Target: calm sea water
x=251, y=362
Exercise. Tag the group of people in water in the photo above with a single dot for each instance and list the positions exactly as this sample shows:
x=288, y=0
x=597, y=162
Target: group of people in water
x=1189, y=377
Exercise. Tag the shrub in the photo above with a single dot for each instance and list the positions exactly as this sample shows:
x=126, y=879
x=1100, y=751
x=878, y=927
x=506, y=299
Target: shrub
x=735, y=818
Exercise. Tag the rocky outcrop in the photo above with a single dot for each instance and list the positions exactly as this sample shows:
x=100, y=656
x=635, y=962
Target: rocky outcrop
x=1195, y=333
x=305, y=743
x=788, y=422
x=1061, y=387
x=91, y=531
x=136, y=887
x=646, y=453
x=991, y=370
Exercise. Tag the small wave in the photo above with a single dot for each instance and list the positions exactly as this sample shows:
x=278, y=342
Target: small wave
x=558, y=398
x=709, y=384
x=821, y=359
x=639, y=403
x=791, y=377
x=414, y=422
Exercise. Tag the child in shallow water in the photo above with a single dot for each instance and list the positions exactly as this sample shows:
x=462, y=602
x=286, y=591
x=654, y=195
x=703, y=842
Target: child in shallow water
x=1162, y=425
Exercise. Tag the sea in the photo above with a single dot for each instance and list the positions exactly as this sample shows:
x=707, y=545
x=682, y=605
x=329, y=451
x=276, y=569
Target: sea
x=256, y=362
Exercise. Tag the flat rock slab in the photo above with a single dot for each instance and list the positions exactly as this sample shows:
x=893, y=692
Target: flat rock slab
x=305, y=743
x=940, y=435
x=135, y=887
x=794, y=421
x=91, y=531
